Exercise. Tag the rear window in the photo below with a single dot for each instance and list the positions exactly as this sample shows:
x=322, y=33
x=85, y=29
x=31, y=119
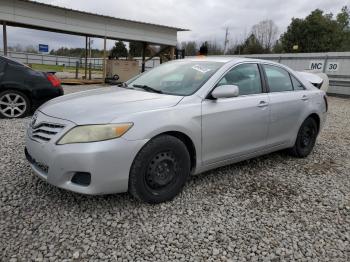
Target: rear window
x=296, y=84
x=278, y=79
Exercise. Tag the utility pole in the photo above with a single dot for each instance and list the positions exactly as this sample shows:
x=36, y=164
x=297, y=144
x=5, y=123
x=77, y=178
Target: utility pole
x=226, y=40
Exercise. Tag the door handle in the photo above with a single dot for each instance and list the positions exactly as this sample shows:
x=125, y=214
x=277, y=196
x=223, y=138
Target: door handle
x=263, y=104
x=304, y=98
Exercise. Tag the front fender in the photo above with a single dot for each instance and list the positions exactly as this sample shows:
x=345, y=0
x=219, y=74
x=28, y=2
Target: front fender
x=185, y=119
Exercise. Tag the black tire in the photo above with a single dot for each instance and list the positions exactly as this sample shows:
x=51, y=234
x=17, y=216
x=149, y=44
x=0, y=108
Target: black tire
x=23, y=107
x=306, y=139
x=160, y=170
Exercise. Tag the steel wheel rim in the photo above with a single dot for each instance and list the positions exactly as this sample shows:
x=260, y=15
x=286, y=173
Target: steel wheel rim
x=161, y=171
x=307, y=136
x=12, y=105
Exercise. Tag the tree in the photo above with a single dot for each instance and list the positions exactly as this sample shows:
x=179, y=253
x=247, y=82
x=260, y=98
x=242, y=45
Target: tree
x=318, y=32
x=75, y=52
x=214, y=48
x=190, y=48
x=251, y=46
x=135, y=49
x=343, y=19
x=232, y=49
x=16, y=48
x=119, y=50
x=277, y=48
x=266, y=33
x=31, y=49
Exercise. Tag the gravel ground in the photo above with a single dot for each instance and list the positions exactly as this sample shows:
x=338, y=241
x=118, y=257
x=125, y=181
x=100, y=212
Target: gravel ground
x=271, y=208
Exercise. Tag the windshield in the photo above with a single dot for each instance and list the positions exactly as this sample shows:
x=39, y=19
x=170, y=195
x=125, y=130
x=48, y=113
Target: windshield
x=176, y=78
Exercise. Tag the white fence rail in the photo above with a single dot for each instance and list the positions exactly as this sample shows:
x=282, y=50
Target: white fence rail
x=45, y=59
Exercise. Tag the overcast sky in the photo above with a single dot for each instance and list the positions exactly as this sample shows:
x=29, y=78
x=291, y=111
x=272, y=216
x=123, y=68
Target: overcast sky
x=206, y=19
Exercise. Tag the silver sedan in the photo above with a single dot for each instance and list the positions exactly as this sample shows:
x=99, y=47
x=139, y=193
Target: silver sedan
x=183, y=117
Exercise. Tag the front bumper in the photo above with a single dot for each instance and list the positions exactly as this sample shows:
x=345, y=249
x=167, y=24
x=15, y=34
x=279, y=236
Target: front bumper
x=108, y=162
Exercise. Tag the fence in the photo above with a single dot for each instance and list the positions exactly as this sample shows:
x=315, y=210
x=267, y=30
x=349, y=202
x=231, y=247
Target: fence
x=335, y=64
x=45, y=59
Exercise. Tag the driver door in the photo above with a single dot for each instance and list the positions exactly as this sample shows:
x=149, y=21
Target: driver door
x=237, y=126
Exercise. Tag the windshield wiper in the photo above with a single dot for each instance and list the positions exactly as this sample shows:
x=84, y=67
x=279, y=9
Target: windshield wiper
x=148, y=88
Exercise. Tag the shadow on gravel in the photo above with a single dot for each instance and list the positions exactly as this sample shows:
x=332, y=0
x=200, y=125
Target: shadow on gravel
x=250, y=180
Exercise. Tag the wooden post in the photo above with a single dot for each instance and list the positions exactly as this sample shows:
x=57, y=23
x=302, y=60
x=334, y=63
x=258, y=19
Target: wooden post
x=172, y=53
x=4, y=35
x=86, y=55
x=104, y=60
x=144, y=57
x=90, y=70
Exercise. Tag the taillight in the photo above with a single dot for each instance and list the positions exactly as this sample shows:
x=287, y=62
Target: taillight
x=326, y=102
x=54, y=80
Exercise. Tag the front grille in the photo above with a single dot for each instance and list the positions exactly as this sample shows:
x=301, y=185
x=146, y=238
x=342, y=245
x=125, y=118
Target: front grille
x=44, y=132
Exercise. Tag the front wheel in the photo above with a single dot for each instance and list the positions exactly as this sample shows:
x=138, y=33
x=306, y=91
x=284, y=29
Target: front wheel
x=160, y=170
x=13, y=104
x=306, y=139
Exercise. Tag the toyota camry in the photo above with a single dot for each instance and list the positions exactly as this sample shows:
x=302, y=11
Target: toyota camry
x=184, y=117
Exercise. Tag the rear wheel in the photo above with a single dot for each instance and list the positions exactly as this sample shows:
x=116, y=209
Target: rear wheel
x=13, y=104
x=160, y=170
x=306, y=139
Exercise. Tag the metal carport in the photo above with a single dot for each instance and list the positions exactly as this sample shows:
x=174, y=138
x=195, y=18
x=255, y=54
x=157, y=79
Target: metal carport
x=34, y=15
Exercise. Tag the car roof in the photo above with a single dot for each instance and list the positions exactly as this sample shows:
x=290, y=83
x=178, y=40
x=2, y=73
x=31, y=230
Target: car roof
x=9, y=59
x=226, y=59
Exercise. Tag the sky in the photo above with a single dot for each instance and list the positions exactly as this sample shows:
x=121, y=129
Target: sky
x=207, y=19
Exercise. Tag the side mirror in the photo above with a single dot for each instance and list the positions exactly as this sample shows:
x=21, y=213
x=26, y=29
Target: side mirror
x=225, y=91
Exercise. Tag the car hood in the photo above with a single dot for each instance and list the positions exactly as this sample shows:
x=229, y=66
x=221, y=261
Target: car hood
x=105, y=104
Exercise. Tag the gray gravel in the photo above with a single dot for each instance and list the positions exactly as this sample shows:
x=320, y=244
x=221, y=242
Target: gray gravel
x=267, y=209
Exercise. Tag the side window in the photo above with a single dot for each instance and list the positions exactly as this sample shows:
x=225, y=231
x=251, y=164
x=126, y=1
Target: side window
x=278, y=79
x=246, y=77
x=2, y=65
x=296, y=84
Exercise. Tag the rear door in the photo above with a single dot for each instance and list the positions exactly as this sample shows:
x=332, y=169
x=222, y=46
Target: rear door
x=237, y=126
x=287, y=104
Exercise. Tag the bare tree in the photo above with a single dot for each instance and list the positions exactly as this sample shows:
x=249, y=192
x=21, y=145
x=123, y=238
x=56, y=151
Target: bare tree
x=16, y=48
x=31, y=49
x=266, y=33
x=214, y=48
x=190, y=48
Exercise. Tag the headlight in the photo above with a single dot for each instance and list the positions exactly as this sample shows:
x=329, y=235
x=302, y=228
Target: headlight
x=94, y=133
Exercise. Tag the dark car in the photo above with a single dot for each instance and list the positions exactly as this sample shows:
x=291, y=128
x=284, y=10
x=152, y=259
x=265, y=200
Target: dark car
x=23, y=89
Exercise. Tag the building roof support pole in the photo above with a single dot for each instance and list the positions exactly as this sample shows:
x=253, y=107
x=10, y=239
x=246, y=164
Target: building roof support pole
x=4, y=35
